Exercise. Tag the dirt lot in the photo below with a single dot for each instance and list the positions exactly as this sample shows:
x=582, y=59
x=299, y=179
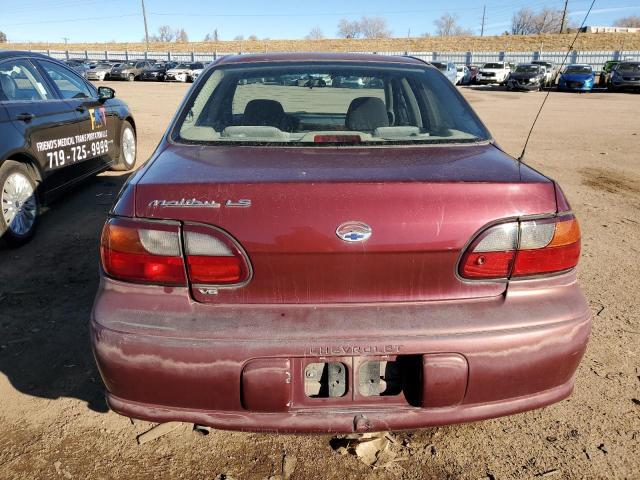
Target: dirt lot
x=54, y=422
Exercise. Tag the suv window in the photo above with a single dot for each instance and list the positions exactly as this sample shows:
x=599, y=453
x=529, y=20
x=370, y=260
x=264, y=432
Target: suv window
x=69, y=84
x=299, y=104
x=20, y=81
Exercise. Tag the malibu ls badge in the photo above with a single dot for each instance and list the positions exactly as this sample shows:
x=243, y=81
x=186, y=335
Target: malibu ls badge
x=353, y=231
x=192, y=202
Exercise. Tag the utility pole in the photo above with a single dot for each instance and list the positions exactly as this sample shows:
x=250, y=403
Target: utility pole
x=564, y=15
x=146, y=30
x=484, y=11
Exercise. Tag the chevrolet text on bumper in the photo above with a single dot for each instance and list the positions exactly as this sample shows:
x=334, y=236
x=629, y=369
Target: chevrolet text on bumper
x=270, y=270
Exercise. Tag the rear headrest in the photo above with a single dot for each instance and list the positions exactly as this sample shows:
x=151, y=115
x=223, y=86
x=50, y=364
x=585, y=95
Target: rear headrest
x=263, y=113
x=365, y=114
x=7, y=87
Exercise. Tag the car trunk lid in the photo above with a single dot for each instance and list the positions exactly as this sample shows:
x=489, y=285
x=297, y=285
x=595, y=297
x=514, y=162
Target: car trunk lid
x=284, y=205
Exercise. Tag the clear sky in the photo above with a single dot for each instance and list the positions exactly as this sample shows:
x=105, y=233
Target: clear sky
x=121, y=20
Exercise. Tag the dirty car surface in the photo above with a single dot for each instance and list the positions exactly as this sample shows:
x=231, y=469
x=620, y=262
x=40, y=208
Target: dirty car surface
x=331, y=259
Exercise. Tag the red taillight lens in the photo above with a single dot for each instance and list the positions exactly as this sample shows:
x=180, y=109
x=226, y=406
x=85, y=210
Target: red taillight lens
x=562, y=252
x=147, y=251
x=523, y=249
x=143, y=251
x=214, y=258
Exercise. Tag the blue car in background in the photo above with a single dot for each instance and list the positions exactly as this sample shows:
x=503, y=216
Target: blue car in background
x=577, y=78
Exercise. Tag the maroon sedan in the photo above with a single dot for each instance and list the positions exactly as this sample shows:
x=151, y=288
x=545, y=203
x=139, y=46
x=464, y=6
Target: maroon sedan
x=347, y=255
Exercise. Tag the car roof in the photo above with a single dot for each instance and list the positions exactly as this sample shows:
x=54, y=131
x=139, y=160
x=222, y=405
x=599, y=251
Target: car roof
x=318, y=57
x=6, y=54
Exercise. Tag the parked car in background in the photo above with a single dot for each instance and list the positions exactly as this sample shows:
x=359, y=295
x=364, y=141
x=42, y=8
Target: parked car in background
x=607, y=70
x=577, y=77
x=473, y=74
x=463, y=75
x=131, y=70
x=183, y=72
x=157, y=72
x=348, y=82
x=79, y=66
x=551, y=71
x=56, y=129
x=196, y=73
x=626, y=76
x=100, y=71
x=448, y=69
x=527, y=76
x=335, y=260
x=493, y=72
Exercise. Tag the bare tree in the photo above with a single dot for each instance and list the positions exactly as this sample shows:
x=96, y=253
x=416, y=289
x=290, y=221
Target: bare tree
x=523, y=22
x=374, y=27
x=526, y=22
x=212, y=37
x=447, y=26
x=181, y=35
x=3, y=37
x=348, y=29
x=239, y=38
x=253, y=38
x=315, y=34
x=549, y=20
x=165, y=34
x=630, y=22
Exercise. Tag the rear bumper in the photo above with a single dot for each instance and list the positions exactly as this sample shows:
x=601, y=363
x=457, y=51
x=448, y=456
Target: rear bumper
x=523, y=86
x=575, y=87
x=164, y=357
x=625, y=83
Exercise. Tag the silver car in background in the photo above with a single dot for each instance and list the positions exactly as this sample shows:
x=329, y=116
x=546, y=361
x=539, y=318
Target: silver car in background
x=101, y=71
x=448, y=69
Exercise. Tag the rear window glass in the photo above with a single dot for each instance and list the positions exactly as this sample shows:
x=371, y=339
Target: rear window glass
x=527, y=69
x=629, y=67
x=325, y=103
x=578, y=69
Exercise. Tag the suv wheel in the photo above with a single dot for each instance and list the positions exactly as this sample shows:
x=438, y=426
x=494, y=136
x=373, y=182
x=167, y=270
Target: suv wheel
x=18, y=203
x=128, y=149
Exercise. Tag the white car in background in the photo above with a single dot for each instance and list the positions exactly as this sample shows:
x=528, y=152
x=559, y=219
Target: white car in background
x=183, y=72
x=196, y=73
x=448, y=69
x=463, y=75
x=494, y=72
x=551, y=71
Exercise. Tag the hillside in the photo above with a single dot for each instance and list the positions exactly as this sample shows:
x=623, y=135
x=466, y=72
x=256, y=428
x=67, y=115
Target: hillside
x=549, y=42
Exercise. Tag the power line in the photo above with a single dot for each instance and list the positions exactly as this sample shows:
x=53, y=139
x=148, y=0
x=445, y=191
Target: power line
x=564, y=60
x=70, y=20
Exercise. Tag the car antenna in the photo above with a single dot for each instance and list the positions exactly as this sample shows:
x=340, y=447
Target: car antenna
x=524, y=148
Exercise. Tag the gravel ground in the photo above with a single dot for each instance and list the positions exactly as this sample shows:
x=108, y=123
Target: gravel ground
x=54, y=422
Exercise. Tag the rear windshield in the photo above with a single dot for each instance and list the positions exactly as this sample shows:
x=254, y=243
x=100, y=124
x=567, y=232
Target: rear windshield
x=527, y=69
x=629, y=67
x=578, y=69
x=312, y=104
x=496, y=66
